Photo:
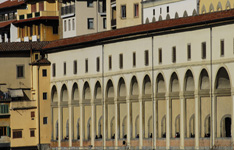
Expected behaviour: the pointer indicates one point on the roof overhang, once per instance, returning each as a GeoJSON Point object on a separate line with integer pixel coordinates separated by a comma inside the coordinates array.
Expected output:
{"type": "Point", "coordinates": [39, 19]}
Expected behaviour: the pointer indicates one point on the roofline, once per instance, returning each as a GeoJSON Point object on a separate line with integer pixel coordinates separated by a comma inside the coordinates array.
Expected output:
{"type": "Point", "coordinates": [147, 33]}
{"type": "Point", "coordinates": [36, 19]}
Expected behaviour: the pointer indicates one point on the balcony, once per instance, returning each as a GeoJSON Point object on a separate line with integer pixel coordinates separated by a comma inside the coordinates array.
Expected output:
{"type": "Point", "coordinates": [37, 14]}
{"type": "Point", "coordinates": [16, 105]}
{"type": "Point", "coordinates": [68, 11]}
{"type": "Point", "coordinates": [5, 141]}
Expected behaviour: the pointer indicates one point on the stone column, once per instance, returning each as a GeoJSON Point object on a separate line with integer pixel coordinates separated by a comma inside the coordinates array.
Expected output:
{"type": "Point", "coordinates": [197, 118]}
{"type": "Point", "coordinates": [182, 120]}
{"type": "Point", "coordinates": [232, 127]}
{"type": "Point", "coordinates": [155, 112]}
{"type": "Point", "coordinates": [168, 121]}
{"type": "Point", "coordinates": [52, 123]}
{"type": "Point", "coordinates": [81, 124]}
{"type": "Point", "coordinates": [116, 122]}
{"type": "Point", "coordinates": [93, 123]}
{"type": "Point", "coordinates": [213, 119]}
{"type": "Point", "coordinates": [60, 127]}
{"type": "Point", "coordinates": [129, 112]}
{"type": "Point", "coordinates": [71, 124]}
{"type": "Point", "coordinates": [104, 124]}
{"type": "Point", "coordinates": [141, 122]}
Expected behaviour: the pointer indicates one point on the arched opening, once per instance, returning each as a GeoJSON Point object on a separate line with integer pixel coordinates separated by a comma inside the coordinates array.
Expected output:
{"type": "Point", "coordinates": [160, 18]}
{"type": "Point", "coordinates": [137, 128]}
{"type": "Point", "coordinates": [89, 129]}
{"type": "Point", "coordinates": [124, 128]}
{"type": "Point", "coordinates": [219, 7]}
{"type": "Point", "coordinates": [226, 126]}
{"type": "Point", "coordinates": [203, 9]}
{"type": "Point", "coordinates": [154, 19]}
{"type": "Point", "coordinates": [64, 93]}
{"type": "Point", "coordinates": [110, 89]}
{"type": "Point", "coordinates": [134, 87]}
{"type": "Point", "coordinates": [176, 15]}
{"type": "Point", "coordinates": [185, 14]}
{"type": "Point", "coordinates": [54, 94]}
{"type": "Point", "coordinates": [78, 129]}
{"type": "Point", "coordinates": [150, 127]}
{"type": "Point", "coordinates": [86, 91]}
{"type": "Point", "coordinates": [75, 92]}
{"type": "Point", "coordinates": [147, 21]}
{"type": "Point", "coordinates": [204, 80]}
{"type": "Point", "coordinates": [228, 5]}
{"type": "Point", "coordinates": [211, 8]}
{"type": "Point", "coordinates": [194, 12]}
{"type": "Point", "coordinates": [168, 17]}
{"type": "Point", "coordinates": [121, 88]}
{"type": "Point", "coordinates": [160, 84]}
{"type": "Point", "coordinates": [163, 127]}
{"type": "Point", "coordinates": [177, 127]}
{"type": "Point", "coordinates": [192, 126]}
{"type": "Point", "coordinates": [189, 81]}
{"type": "Point", "coordinates": [222, 79]}
{"type": "Point", "coordinates": [207, 126]}
{"type": "Point", "coordinates": [147, 86]}
{"type": "Point", "coordinates": [174, 83]}
{"type": "Point", "coordinates": [98, 91]}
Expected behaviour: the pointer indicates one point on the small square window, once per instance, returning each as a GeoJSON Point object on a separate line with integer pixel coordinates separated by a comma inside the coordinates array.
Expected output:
{"type": "Point", "coordinates": [20, 71]}
{"type": "Point", "coordinates": [44, 72]}
{"type": "Point", "coordinates": [89, 3]}
{"type": "Point", "coordinates": [32, 113]}
{"type": "Point", "coordinates": [45, 96]}
{"type": "Point", "coordinates": [90, 23]}
{"type": "Point", "coordinates": [45, 120]}
{"type": "Point", "coordinates": [32, 133]}
{"type": "Point", "coordinates": [17, 134]}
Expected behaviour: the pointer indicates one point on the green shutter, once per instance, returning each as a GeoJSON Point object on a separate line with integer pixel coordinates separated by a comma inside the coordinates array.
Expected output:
{"type": "Point", "coordinates": [8, 131]}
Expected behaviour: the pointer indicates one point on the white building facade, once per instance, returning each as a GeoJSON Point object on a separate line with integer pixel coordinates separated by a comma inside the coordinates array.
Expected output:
{"type": "Point", "coordinates": [157, 10]}
{"type": "Point", "coordinates": [149, 86]}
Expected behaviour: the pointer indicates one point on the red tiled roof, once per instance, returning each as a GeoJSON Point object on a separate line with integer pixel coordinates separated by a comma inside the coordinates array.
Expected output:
{"type": "Point", "coordinates": [9, 3]}
{"type": "Point", "coordinates": [42, 61]}
{"type": "Point", "coordinates": [21, 46]}
{"type": "Point", "coordinates": [37, 18]}
{"type": "Point", "coordinates": [6, 23]}
{"type": "Point", "coordinates": [157, 26]}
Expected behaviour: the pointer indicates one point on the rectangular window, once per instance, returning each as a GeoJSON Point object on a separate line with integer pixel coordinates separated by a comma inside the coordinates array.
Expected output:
{"type": "Point", "coordinates": [123, 11]}
{"type": "Point", "coordinates": [65, 25]}
{"type": "Point", "coordinates": [153, 12]}
{"type": "Point", "coordinates": [32, 132]}
{"type": "Point", "coordinates": [36, 56]}
{"type": "Point", "coordinates": [86, 65]}
{"type": "Point", "coordinates": [55, 29]}
{"type": "Point", "coordinates": [41, 6]}
{"type": "Point", "coordinates": [136, 10]}
{"type": "Point", "coordinates": [64, 68]}
{"type": "Point", "coordinates": [69, 25]}
{"type": "Point", "coordinates": [90, 23]}
{"type": "Point", "coordinates": [146, 58]}
{"type": "Point", "coordinates": [73, 24]}
{"type": "Point", "coordinates": [203, 50]}
{"type": "Point", "coordinates": [104, 23]}
{"type": "Point", "coordinates": [54, 70]}
{"type": "Point", "coordinates": [20, 71]}
{"type": "Point", "coordinates": [110, 63]}
{"type": "Point", "coordinates": [121, 61]}
{"type": "Point", "coordinates": [17, 134]}
{"type": "Point", "coordinates": [222, 48]}
{"type": "Point", "coordinates": [134, 59]}
{"type": "Point", "coordinates": [4, 109]}
{"type": "Point", "coordinates": [33, 7]}
{"type": "Point", "coordinates": [31, 30]}
{"type": "Point", "coordinates": [75, 67]}
{"type": "Point", "coordinates": [45, 96]}
{"type": "Point", "coordinates": [45, 120]}
{"type": "Point", "coordinates": [160, 10]}
{"type": "Point", "coordinates": [189, 52]}
{"type": "Point", "coordinates": [44, 72]}
{"type": "Point", "coordinates": [89, 3]}
{"type": "Point", "coordinates": [39, 29]}
{"type": "Point", "coordinates": [3, 131]}
{"type": "Point", "coordinates": [98, 64]}
{"type": "Point", "coordinates": [159, 55]}
{"type": "Point", "coordinates": [167, 9]}
{"type": "Point", "coordinates": [32, 113]}
{"type": "Point", "coordinates": [174, 54]}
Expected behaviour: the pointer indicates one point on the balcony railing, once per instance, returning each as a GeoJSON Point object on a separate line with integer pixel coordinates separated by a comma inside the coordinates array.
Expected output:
{"type": "Point", "coordinates": [38, 14]}
{"type": "Point", "coordinates": [23, 104]}
{"type": "Point", "coordinates": [68, 10]}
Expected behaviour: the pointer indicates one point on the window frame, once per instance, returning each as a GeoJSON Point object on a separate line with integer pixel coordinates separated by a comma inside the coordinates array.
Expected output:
{"type": "Point", "coordinates": [134, 59]}
{"type": "Point", "coordinates": [160, 55]}
{"type": "Point", "coordinates": [98, 64]}
{"type": "Point", "coordinates": [121, 61]}
{"type": "Point", "coordinates": [75, 67]}
{"type": "Point", "coordinates": [86, 65]}
{"type": "Point", "coordinates": [17, 133]}
{"type": "Point", "coordinates": [89, 3]}
{"type": "Point", "coordinates": [32, 132]}
{"type": "Point", "coordinates": [174, 54]}
{"type": "Point", "coordinates": [90, 24]}
{"type": "Point", "coordinates": [44, 72]}
{"type": "Point", "coordinates": [44, 95]}
{"type": "Point", "coordinates": [110, 62]}
{"type": "Point", "coordinates": [136, 10]}
{"type": "Point", "coordinates": [222, 47]}
{"type": "Point", "coordinates": [203, 51]}
{"type": "Point", "coordinates": [123, 12]}
{"type": "Point", "coordinates": [189, 52]}
{"type": "Point", "coordinates": [64, 68]}
{"type": "Point", "coordinates": [45, 120]}
{"type": "Point", "coordinates": [146, 56]}
{"type": "Point", "coordinates": [17, 71]}
{"type": "Point", "coordinates": [54, 70]}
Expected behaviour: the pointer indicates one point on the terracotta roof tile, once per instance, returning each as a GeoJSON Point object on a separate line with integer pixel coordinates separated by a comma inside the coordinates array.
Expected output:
{"type": "Point", "coordinates": [160, 25]}
{"type": "Point", "coordinates": [21, 46]}
{"type": "Point", "coordinates": [6, 23]}
{"type": "Point", "coordinates": [9, 3]}
{"type": "Point", "coordinates": [42, 61]}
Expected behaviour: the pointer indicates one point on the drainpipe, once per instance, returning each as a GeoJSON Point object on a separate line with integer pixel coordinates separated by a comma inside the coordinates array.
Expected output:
{"type": "Point", "coordinates": [39, 118]}
{"type": "Point", "coordinates": [211, 93]}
